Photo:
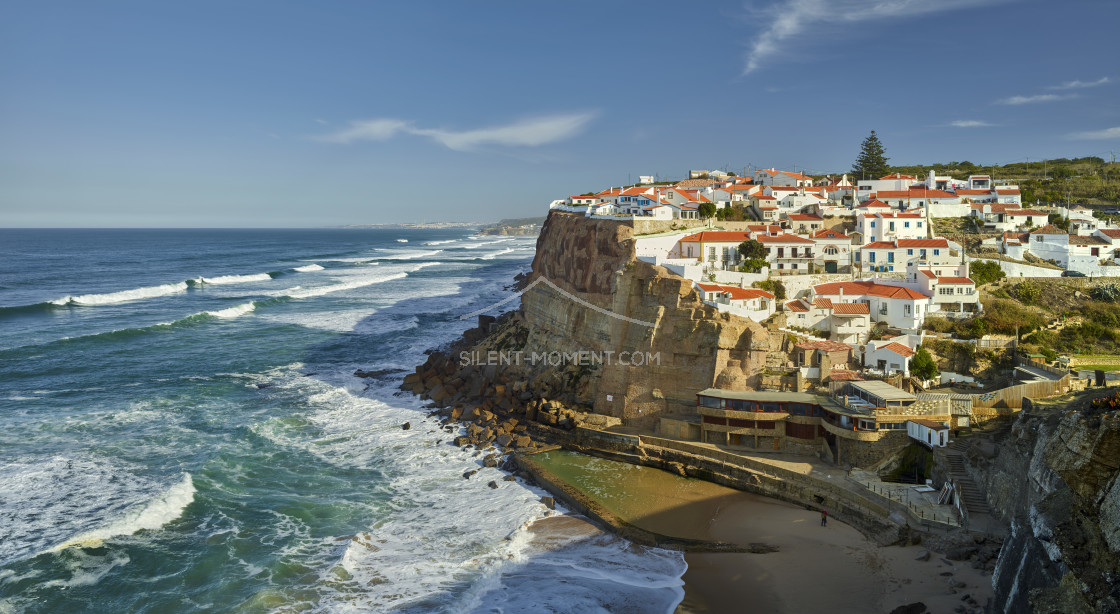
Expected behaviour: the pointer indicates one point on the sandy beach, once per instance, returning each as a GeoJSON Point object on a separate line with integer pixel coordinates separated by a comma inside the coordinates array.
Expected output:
{"type": "Point", "coordinates": [832, 569]}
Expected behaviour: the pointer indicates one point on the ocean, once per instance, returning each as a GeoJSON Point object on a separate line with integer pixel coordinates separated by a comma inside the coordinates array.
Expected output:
{"type": "Point", "coordinates": [183, 431]}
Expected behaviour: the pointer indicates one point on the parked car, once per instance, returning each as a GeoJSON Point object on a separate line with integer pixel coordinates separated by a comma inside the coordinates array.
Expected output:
{"type": "Point", "coordinates": [1072, 274]}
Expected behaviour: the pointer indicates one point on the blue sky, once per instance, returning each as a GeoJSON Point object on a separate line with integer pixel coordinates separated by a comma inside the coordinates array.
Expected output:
{"type": "Point", "coordinates": [285, 114]}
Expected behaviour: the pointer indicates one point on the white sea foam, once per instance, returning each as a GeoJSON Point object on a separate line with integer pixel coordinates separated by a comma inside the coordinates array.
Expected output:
{"type": "Point", "coordinates": [162, 509]}
{"type": "Point", "coordinates": [411, 255]}
{"type": "Point", "coordinates": [494, 255]}
{"type": "Point", "coordinates": [236, 279]}
{"type": "Point", "coordinates": [123, 296]}
{"type": "Point", "coordinates": [233, 312]}
{"type": "Point", "coordinates": [349, 285]}
{"type": "Point", "coordinates": [44, 500]}
{"type": "Point", "coordinates": [440, 242]}
{"type": "Point", "coordinates": [357, 260]}
{"type": "Point", "coordinates": [419, 554]}
{"type": "Point", "coordinates": [402, 240]}
{"type": "Point", "coordinates": [308, 268]}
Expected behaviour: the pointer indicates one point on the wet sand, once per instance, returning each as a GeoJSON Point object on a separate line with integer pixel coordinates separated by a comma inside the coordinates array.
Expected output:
{"type": "Point", "coordinates": [832, 569]}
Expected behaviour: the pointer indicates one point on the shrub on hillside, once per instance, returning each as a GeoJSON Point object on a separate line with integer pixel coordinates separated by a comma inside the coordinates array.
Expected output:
{"type": "Point", "coordinates": [1107, 292]}
{"type": "Point", "coordinates": [1027, 291]}
{"type": "Point", "coordinates": [985, 272]}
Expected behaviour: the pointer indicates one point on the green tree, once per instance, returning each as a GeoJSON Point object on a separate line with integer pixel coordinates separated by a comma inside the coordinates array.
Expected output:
{"type": "Point", "coordinates": [753, 249]}
{"type": "Point", "coordinates": [922, 365]}
{"type": "Point", "coordinates": [752, 265]}
{"type": "Point", "coordinates": [1057, 221]}
{"type": "Point", "coordinates": [984, 272]}
{"type": "Point", "coordinates": [707, 210]}
{"type": "Point", "coordinates": [872, 161]}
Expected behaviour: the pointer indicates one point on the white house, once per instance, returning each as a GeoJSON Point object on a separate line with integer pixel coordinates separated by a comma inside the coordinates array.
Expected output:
{"type": "Point", "coordinates": [896, 182]}
{"type": "Point", "coordinates": [888, 356]}
{"type": "Point", "coordinates": [804, 223]}
{"type": "Point", "coordinates": [1003, 217]}
{"type": "Point", "coordinates": [746, 302]}
{"type": "Point", "coordinates": [951, 293]}
{"type": "Point", "coordinates": [901, 254]}
{"type": "Point", "coordinates": [789, 254]}
{"type": "Point", "coordinates": [718, 248]}
{"type": "Point", "coordinates": [931, 433]}
{"type": "Point", "coordinates": [890, 225]}
{"type": "Point", "coordinates": [833, 251]}
{"type": "Point", "coordinates": [900, 307]}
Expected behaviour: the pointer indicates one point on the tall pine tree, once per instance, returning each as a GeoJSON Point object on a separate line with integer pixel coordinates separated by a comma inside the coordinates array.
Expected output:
{"type": "Point", "coordinates": [871, 163]}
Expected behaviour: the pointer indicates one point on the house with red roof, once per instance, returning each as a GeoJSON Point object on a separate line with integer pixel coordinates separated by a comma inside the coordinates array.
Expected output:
{"type": "Point", "coordinates": [746, 302]}
{"type": "Point", "coordinates": [894, 182]}
{"type": "Point", "coordinates": [848, 322]}
{"type": "Point", "coordinates": [901, 255]}
{"type": "Point", "coordinates": [834, 251]}
{"type": "Point", "coordinates": [898, 306]}
{"type": "Point", "coordinates": [788, 254]}
{"type": "Point", "coordinates": [888, 356]}
{"type": "Point", "coordinates": [952, 290]}
{"type": "Point", "coordinates": [883, 225]}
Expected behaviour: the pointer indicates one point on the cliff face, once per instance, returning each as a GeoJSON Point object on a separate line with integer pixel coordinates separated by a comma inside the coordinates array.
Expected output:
{"type": "Point", "coordinates": [1055, 476]}
{"type": "Point", "coordinates": [658, 343]}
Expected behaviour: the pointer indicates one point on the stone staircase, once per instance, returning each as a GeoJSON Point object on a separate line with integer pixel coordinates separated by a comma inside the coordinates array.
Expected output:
{"type": "Point", "coordinates": [972, 496]}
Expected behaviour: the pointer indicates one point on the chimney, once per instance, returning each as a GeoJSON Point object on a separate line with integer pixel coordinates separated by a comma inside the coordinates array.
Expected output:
{"type": "Point", "coordinates": [841, 299]}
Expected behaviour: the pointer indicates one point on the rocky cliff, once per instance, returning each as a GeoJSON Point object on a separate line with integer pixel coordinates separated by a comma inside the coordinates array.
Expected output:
{"type": "Point", "coordinates": [1053, 475]}
{"type": "Point", "coordinates": [600, 331]}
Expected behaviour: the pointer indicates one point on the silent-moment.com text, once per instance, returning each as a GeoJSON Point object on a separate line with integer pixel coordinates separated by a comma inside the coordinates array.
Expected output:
{"type": "Point", "coordinates": [586, 358]}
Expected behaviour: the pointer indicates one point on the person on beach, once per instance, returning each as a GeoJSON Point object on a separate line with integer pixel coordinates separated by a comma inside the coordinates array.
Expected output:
{"type": "Point", "coordinates": [824, 518]}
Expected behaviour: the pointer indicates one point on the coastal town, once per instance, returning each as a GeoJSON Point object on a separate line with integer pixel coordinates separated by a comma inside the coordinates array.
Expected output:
{"type": "Point", "coordinates": [849, 345]}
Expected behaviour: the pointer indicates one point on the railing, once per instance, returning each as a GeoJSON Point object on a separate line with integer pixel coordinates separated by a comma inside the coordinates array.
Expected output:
{"type": "Point", "coordinates": [917, 512]}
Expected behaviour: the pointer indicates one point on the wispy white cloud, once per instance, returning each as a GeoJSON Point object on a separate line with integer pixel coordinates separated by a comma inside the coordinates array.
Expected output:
{"type": "Point", "coordinates": [1107, 133]}
{"type": "Point", "coordinates": [320, 121]}
{"type": "Point", "coordinates": [1073, 85]}
{"type": "Point", "coordinates": [1016, 100]}
{"type": "Point", "coordinates": [530, 132]}
{"type": "Point", "coordinates": [969, 123]}
{"type": "Point", "coordinates": [789, 18]}
{"type": "Point", "coordinates": [367, 130]}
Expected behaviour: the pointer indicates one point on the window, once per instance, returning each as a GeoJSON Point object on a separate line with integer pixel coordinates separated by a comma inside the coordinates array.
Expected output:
{"type": "Point", "coordinates": [922, 253]}
{"type": "Point", "coordinates": [872, 224]}
{"type": "Point", "coordinates": [906, 224]}
{"type": "Point", "coordinates": [711, 253]}
{"type": "Point", "coordinates": [936, 252]}
{"type": "Point", "coordinates": [919, 224]}
{"type": "Point", "coordinates": [871, 257]}
{"type": "Point", "coordinates": [910, 252]}
{"type": "Point", "coordinates": [830, 250]}
{"type": "Point", "coordinates": [890, 256]}
{"type": "Point", "coordinates": [689, 251]}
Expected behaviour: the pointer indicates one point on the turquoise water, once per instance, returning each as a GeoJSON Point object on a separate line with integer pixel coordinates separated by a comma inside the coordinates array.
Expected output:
{"type": "Point", "coordinates": [183, 431]}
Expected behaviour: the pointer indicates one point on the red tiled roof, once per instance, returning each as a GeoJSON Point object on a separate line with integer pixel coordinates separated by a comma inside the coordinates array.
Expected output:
{"type": "Point", "coordinates": [1048, 229]}
{"type": "Point", "coordinates": [822, 303]}
{"type": "Point", "coordinates": [724, 236]}
{"type": "Point", "coordinates": [1111, 232]}
{"type": "Point", "coordinates": [923, 242]}
{"type": "Point", "coordinates": [954, 280]}
{"type": "Point", "coordinates": [963, 192]}
{"type": "Point", "coordinates": [856, 288]}
{"type": "Point", "coordinates": [782, 238]}
{"type": "Point", "coordinates": [899, 349]}
{"type": "Point", "coordinates": [875, 202]}
{"type": "Point", "coordinates": [828, 233]}
{"type": "Point", "coordinates": [1007, 191]}
{"type": "Point", "coordinates": [1090, 240]}
{"type": "Point", "coordinates": [928, 274]}
{"type": "Point", "coordinates": [797, 305]}
{"type": "Point", "coordinates": [805, 217]}
{"type": "Point", "coordinates": [851, 308]}
{"type": "Point", "coordinates": [879, 245]}
{"type": "Point", "coordinates": [898, 176]}
{"type": "Point", "coordinates": [840, 375]}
